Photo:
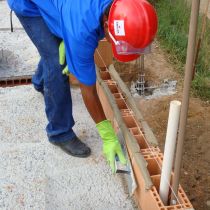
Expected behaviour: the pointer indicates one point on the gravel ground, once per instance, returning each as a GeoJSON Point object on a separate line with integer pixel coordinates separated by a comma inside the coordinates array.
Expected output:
{"type": "Point", "coordinates": [37, 175]}
{"type": "Point", "coordinates": [18, 56]}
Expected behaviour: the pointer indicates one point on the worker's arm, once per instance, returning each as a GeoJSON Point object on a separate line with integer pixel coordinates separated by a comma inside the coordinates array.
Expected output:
{"type": "Point", "coordinates": [111, 145]}
{"type": "Point", "coordinates": [92, 102]}
{"type": "Point", "coordinates": [89, 93]}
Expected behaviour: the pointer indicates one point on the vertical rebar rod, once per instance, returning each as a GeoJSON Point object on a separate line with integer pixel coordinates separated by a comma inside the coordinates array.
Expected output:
{"type": "Point", "coordinates": [140, 82]}
{"type": "Point", "coordinates": [186, 93]}
{"type": "Point", "coordinates": [142, 74]}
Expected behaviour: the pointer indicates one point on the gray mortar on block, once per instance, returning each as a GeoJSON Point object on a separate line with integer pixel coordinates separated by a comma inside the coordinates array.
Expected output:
{"type": "Point", "coordinates": [37, 175]}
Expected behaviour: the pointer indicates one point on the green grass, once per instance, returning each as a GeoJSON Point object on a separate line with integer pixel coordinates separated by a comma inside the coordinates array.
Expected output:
{"type": "Point", "coordinates": [174, 17]}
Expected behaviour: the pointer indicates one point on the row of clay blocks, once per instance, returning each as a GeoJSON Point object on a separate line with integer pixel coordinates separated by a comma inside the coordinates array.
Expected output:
{"type": "Point", "coordinates": [146, 199]}
{"type": "Point", "coordinates": [25, 80]}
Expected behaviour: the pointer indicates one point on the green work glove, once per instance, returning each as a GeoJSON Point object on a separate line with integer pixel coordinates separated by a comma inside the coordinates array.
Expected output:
{"type": "Point", "coordinates": [62, 57]}
{"type": "Point", "coordinates": [111, 145]}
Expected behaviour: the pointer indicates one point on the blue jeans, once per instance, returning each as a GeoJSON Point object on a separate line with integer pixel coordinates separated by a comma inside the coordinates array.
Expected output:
{"type": "Point", "coordinates": [49, 80]}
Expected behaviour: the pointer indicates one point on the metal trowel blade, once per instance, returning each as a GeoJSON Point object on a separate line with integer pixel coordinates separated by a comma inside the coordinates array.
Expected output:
{"type": "Point", "coordinates": [125, 169]}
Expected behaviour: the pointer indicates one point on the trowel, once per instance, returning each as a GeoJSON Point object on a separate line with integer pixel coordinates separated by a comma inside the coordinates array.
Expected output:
{"type": "Point", "coordinates": [127, 168]}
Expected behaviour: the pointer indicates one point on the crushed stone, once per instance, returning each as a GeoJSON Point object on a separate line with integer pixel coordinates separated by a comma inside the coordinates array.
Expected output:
{"type": "Point", "coordinates": [35, 174]}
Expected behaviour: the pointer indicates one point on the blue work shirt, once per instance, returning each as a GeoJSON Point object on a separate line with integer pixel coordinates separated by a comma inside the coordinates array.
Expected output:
{"type": "Point", "coordinates": [77, 22]}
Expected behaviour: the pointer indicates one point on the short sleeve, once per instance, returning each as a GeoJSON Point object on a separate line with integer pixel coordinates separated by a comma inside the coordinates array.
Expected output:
{"type": "Point", "coordinates": [80, 61]}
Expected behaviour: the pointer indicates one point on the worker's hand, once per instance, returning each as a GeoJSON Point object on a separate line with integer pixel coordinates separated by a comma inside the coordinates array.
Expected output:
{"type": "Point", "coordinates": [111, 145]}
{"type": "Point", "coordinates": [62, 57]}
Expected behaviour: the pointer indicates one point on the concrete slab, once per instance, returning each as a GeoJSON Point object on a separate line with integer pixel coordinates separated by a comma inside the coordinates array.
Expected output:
{"type": "Point", "coordinates": [37, 175]}
{"type": "Point", "coordinates": [22, 178]}
{"type": "Point", "coordinates": [22, 117]}
{"type": "Point", "coordinates": [5, 17]}
{"type": "Point", "coordinates": [18, 56]}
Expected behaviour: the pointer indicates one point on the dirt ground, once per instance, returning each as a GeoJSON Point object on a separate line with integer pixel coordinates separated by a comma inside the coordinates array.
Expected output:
{"type": "Point", "coordinates": [195, 173]}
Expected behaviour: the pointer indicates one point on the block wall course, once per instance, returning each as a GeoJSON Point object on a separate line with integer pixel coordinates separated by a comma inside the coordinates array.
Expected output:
{"type": "Point", "coordinates": [146, 199]}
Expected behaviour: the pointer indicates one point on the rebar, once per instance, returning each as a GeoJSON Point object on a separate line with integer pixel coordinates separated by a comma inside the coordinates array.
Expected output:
{"type": "Point", "coordinates": [140, 83]}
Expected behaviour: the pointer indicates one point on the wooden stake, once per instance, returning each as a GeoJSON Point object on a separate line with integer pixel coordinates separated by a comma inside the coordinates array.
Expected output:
{"type": "Point", "coordinates": [186, 94]}
{"type": "Point", "coordinates": [200, 38]}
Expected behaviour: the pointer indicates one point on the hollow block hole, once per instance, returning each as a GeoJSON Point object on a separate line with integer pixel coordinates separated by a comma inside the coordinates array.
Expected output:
{"type": "Point", "coordinates": [103, 69]}
{"type": "Point", "coordinates": [2, 82]}
{"type": "Point", "coordinates": [135, 131]}
{"type": "Point", "coordinates": [121, 104]}
{"type": "Point", "coordinates": [113, 88]}
{"type": "Point", "coordinates": [125, 112]}
{"type": "Point", "coordinates": [146, 156]}
{"type": "Point", "coordinates": [129, 121]}
{"type": "Point", "coordinates": [117, 95]}
{"type": "Point", "coordinates": [141, 141]}
{"type": "Point", "coordinates": [146, 152]}
{"type": "Point", "coordinates": [174, 207]}
{"type": "Point", "coordinates": [156, 183]}
{"type": "Point", "coordinates": [153, 167]}
{"type": "Point", "coordinates": [105, 75]}
{"type": "Point", "coordinates": [10, 82]}
{"type": "Point", "coordinates": [16, 82]}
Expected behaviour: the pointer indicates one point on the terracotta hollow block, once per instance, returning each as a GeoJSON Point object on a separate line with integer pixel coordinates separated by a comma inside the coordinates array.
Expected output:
{"type": "Point", "coordinates": [103, 55]}
{"type": "Point", "coordinates": [103, 69]}
{"type": "Point", "coordinates": [141, 141]}
{"type": "Point", "coordinates": [118, 95]}
{"type": "Point", "coordinates": [153, 167]}
{"type": "Point", "coordinates": [151, 152]}
{"type": "Point", "coordinates": [121, 104]}
{"type": "Point", "coordinates": [11, 82]}
{"type": "Point", "coordinates": [113, 88]}
{"type": "Point", "coordinates": [130, 121]}
{"type": "Point", "coordinates": [155, 172]}
{"type": "Point", "coordinates": [146, 199]}
{"type": "Point", "coordinates": [150, 199]}
{"type": "Point", "coordinates": [155, 157]}
{"type": "Point", "coordinates": [183, 197]}
{"type": "Point", "coordinates": [183, 203]}
{"type": "Point", "coordinates": [135, 131]}
{"type": "Point", "coordinates": [143, 197]}
{"type": "Point", "coordinates": [142, 130]}
{"type": "Point", "coordinates": [126, 112]}
{"type": "Point", "coordinates": [16, 82]}
{"type": "Point", "coordinates": [105, 75]}
{"type": "Point", "coordinates": [105, 103]}
{"type": "Point", "coordinates": [3, 83]}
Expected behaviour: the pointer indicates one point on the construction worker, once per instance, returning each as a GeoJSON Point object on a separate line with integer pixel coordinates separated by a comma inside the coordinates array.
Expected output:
{"type": "Point", "coordinates": [80, 24]}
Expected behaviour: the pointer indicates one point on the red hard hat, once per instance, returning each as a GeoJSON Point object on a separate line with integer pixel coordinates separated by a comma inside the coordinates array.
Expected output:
{"type": "Point", "coordinates": [131, 23]}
